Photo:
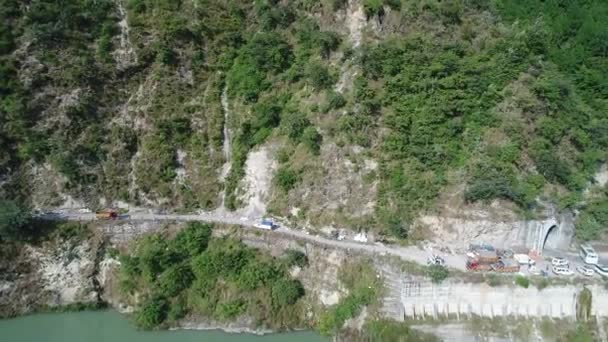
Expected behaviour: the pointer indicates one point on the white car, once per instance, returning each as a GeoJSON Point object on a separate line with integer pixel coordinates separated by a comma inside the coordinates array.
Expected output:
{"type": "Point", "coordinates": [560, 270]}
{"type": "Point", "coordinates": [585, 270]}
{"type": "Point", "coordinates": [559, 261]}
{"type": "Point", "coordinates": [534, 270]}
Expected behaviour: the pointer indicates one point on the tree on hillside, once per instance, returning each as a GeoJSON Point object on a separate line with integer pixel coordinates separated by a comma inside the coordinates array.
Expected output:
{"type": "Point", "coordinates": [13, 217]}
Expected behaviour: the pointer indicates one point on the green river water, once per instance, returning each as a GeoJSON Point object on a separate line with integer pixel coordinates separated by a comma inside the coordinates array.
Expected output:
{"type": "Point", "coordinates": [109, 326]}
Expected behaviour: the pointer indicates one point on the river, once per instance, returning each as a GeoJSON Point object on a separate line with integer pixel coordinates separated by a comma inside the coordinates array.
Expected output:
{"type": "Point", "coordinates": [110, 326]}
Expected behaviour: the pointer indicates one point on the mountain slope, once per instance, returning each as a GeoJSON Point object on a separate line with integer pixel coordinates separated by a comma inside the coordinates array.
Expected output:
{"type": "Point", "coordinates": [367, 113]}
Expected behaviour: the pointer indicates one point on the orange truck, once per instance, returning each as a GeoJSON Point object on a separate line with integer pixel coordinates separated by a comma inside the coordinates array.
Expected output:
{"type": "Point", "coordinates": [106, 215]}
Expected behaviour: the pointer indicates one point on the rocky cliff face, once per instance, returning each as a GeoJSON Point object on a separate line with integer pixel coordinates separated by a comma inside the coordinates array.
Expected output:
{"type": "Point", "coordinates": [49, 276]}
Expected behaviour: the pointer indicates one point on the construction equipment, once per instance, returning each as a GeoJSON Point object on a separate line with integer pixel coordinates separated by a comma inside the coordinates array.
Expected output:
{"type": "Point", "coordinates": [107, 214]}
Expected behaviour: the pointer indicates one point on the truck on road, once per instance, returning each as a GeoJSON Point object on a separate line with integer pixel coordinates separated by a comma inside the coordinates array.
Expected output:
{"type": "Point", "coordinates": [107, 214]}
{"type": "Point", "coordinates": [487, 258]}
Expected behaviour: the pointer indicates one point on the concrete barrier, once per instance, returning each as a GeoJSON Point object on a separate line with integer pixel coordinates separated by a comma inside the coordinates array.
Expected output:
{"type": "Point", "coordinates": [425, 300]}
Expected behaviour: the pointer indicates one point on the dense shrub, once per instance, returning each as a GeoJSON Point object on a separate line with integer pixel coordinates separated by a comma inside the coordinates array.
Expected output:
{"type": "Point", "coordinates": [373, 7]}
{"type": "Point", "coordinates": [286, 292]}
{"type": "Point", "coordinates": [194, 273]}
{"type": "Point", "coordinates": [312, 139]}
{"type": "Point", "coordinates": [152, 312]}
{"type": "Point", "coordinates": [175, 279]}
{"type": "Point", "coordinates": [264, 53]}
{"type": "Point", "coordinates": [192, 240]}
{"type": "Point", "coordinates": [319, 76]}
{"type": "Point", "coordinates": [334, 100]}
{"type": "Point", "coordinates": [286, 178]}
{"type": "Point", "coordinates": [294, 123]}
{"type": "Point", "coordinates": [296, 258]}
{"type": "Point", "coordinates": [592, 221]}
{"type": "Point", "coordinates": [437, 273]}
{"type": "Point", "coordinates": [522, 281]}
{"type": "Point", "coordinates": [13, 219]}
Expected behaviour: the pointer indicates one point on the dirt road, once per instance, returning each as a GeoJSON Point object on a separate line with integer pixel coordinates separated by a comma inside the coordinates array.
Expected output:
{"type": "Point", "coordinates": [410, 253]}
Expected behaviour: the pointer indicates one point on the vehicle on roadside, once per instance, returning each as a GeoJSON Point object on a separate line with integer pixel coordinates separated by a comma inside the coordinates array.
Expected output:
{"type": "Point", "coordinates": [506, 265]}
{"type": "Point", "coordinates": [435, 260]}
{"type": "Point", "coordinates": [265, 223]}
{"type": "Point", "coordinates": [108, 214]}
{"type": "Point", "coordinates": [533, 270]}
{"type": "Point", "coordinates": [601, 269]}
{"type": "Point", "coordinates": [559, 261]}
{"type": "Point", "coordinates": [524, 259]}
{"type": "Point", "coordinates": [585, 270]}
{"type": "Point", "coordinates": [561, 270]}
{"type": "Point", "coordinates": [588, 254]}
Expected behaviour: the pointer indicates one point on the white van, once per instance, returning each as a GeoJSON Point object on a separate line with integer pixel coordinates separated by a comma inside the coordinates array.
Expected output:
{"type": "Point", "coordinates": [265, 223]}
{"type": "Point", "coordinates": [588, 255]}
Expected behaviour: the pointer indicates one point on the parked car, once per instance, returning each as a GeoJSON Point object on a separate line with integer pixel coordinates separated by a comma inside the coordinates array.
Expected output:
{"type": "Point", "coordinates": [585, 270]}
{"type": "Point", "coordinates": [564, 271]}
{"type": "Point", "coordinates": [559, 261]}
{"type": "Point", "coordinates": [601, 269]}
{"type": "Point", "coordinates": [533, 270]}
{"type": "Point", "coordinates": [588, 254]}
{"type": "Point", "coordinates": [524, 259]}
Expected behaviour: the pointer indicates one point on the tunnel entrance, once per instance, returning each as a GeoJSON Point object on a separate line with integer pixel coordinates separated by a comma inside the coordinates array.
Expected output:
{"type": "Point", "coordinates": [551, 239]}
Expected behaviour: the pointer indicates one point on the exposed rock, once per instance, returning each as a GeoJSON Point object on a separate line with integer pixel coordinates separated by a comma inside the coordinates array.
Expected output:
{"type": "Point", "coordinates": [259, 169]}
{"type": "Point", "coordinates": [48, 276]}
{"type": "Point", "coordinates": [459, 233]}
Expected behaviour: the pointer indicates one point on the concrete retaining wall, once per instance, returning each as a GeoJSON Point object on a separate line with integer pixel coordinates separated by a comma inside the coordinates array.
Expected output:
{"type": "Point", "coordinates": [423, 300]}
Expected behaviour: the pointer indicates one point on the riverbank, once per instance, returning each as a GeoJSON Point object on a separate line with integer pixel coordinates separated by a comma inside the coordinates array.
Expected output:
{"type": "Point", "coordinates": [102, 326]}
{"type": "Point", "coordinates": [78, 270]}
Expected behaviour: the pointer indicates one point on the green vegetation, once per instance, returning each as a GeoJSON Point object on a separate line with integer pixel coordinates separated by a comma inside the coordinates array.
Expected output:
{"type": "Point", "coordinates": [359, 278]}
{"type": "Point", "coordinates": [592, 221]}
{"type": "Point", "coordinates": [582, 333]}
{"type": "Point", "coordinates": [444, 103]}
{"type": "Point", "coordinates": [504, 97]}
{"type": "Point", "coordinates": [391, 331]}
{"type": "Point", "coordinates": [583, 305]}
{"type": "Point", "coordinates": [493, 280]}
{"type": "Point", "coordinates": [296, 258]}
{"type": "Point", "coordinates": [437, 273]}
{"type": "Point", "coordinates": [526, 329]}
{"type": "Point", "coordinates": [522, 281]}
{"type": "Point", "coordinates": [541, 283]}
{"type": "Point", "coordinates": [286, 178]}
{"type": "Point", "coordinates": [220, 278]}
{"type": "Point", "coordinates": [13, 219]}
{"type": "Point", "coordinates": [373, 7]}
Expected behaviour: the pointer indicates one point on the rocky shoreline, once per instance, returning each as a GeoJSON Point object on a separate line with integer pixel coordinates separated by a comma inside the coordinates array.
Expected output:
{"type": "Point", "coordinates": [75, 278]}
{"type": "Point", "coordinates": [78, 275]}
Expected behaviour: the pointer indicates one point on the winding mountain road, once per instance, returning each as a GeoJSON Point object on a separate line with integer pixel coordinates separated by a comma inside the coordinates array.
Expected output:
{"type": "Point", "coordinates": [410, 253]}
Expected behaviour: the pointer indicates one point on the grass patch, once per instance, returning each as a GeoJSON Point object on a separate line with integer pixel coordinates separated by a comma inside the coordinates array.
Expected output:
{"type": "Point", "coordinates": [522, 281]}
